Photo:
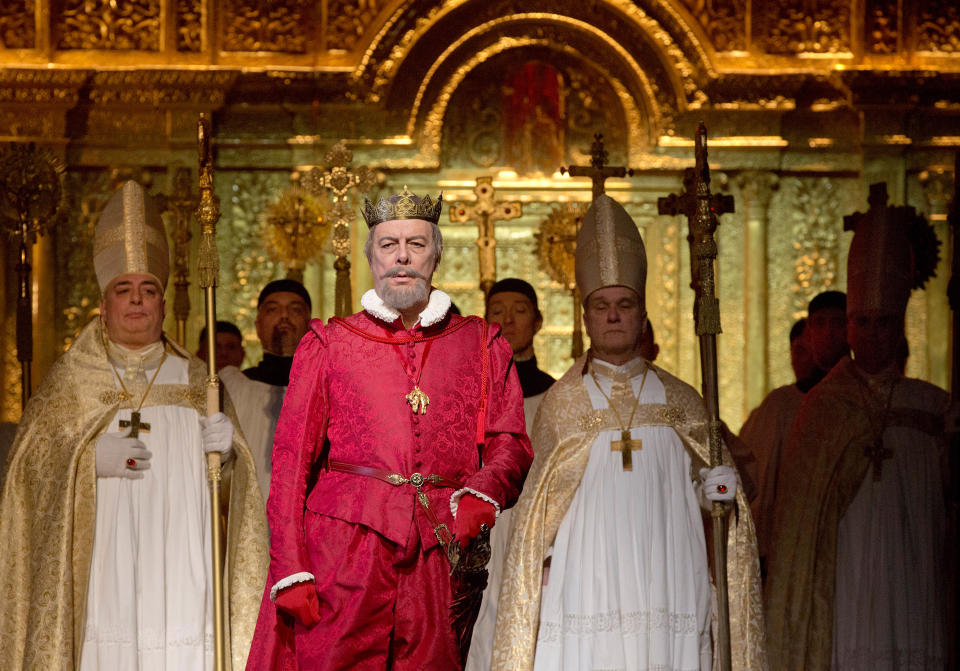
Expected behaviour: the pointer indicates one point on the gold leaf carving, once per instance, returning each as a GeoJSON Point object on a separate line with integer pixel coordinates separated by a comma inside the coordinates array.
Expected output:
{"type": "Point", "coordinates": [107, 24]}
{"type": "Point", "coordinates": [806, 26]}
{"type": "Point", "coordinates": [189, 25]}
{"type": "Point", "coordinates": [348, 20]}
{"type": "Point", "coordinates": [881, 26]}
{"type": "Point", "coordinates": [723, 20]}
{"type": "Point", "coordinates": [264, 25]}
{"type": "Point", "coordinates": [17, 29]}
{"type": "Point", "coordinates": [938, 26]}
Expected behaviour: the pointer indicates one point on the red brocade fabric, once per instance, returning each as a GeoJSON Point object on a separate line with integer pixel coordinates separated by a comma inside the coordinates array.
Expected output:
{"type": "Point", "coordinates": [350, 391]}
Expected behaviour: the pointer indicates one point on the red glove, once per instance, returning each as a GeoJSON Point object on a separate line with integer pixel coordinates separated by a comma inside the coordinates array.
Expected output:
{"type": "Point", "coordinates": [471, 513]}
{"type": "Point", "coordinates": [300, 601]}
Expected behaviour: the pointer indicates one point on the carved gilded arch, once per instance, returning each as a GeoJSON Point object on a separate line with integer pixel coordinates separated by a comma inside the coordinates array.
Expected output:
{"type": "Point", "coordinates": [643, 61]}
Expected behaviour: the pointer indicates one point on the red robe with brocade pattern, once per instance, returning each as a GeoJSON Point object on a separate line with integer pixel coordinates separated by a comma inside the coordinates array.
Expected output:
{"type": "Point", "coordinates": [349, 391]}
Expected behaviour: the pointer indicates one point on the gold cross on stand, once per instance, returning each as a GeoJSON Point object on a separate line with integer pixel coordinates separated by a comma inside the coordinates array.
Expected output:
{"type": "Point", "coordinates": [877, 454]}
{"type": "Point", "coordinates": [486, 211]}
{"type": "Point", "coordinates": [626, 445]}
{"type": "Point", "coordinates": [598, 171]}
{"type": "Point", "coordinates": [135, 425]}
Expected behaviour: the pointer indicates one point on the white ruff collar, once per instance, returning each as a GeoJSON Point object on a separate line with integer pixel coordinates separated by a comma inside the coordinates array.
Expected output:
{"type": "Point", "coordinates": [437, 308]}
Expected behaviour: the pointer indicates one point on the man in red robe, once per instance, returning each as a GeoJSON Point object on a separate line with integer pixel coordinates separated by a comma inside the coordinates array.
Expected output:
{"type": "Point", "coordinates": [402, 423]}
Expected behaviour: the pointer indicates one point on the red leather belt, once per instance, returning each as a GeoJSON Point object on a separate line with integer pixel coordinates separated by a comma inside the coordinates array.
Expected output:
{"type": "Point", "coordinates": [416, 480]}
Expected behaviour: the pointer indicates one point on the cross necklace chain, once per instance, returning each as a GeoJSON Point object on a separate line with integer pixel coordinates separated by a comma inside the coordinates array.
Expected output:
{"type": "Point", "coordinates": [626, 445]}
{"type": "Point", "coordinates": [136, 426]}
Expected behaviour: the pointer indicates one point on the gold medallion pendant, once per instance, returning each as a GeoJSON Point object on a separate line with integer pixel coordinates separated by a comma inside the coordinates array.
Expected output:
{"type": "Point", "coordinates": [418, 401]}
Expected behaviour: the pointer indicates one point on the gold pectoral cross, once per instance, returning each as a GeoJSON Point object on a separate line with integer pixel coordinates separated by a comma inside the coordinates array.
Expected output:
{"type": "Point", "coordinates": [136, 426]}
{"type": "Point", "coordinates": [418, 401]}
{"type": "Point", "coordinates": [626, 445]}
{"type": "Point", "coordinates": [877, 454]}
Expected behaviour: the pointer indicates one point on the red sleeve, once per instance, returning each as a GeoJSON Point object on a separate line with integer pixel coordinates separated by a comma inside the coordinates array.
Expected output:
{"type": "Point", "coordinates": [300, 434]}
{"type": "Point", "coordinates": [507, 454]}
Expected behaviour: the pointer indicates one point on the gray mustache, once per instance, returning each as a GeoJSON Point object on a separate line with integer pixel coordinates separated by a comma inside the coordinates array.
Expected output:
{"type": "Point", "coordinates": [400, 270]}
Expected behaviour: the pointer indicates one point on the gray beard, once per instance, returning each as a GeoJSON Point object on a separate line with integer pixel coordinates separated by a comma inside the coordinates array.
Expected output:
{"type": "Point", "coordinates": [404, 298]}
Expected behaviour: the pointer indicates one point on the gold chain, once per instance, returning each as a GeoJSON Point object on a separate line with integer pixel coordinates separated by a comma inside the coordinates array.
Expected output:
{"type": "Point", "coordinates": [610, 403]}
{"type": "Point", "coordinates": [149, 386]}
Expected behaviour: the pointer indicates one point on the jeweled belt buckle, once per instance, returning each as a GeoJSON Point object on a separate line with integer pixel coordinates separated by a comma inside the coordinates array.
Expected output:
{"type": "Point", "coordinates": [417, 480]}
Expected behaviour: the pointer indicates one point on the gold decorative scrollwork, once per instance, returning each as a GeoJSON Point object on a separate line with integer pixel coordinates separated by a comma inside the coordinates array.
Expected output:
{"type": "Point", "coordinates": [189, 25]}
{"type": "Point", "coordinates": [723, 20]}
{"type": "Point", "coordinates": [17, 29]}
{"type": "Point", "coordinates": [938, 27]}
{"type": "Point", "coordinates": [881, 26]}
{"type": "Point", "coordinates": [264, 25]}
{"type": "Point", "coordinates": [805, 26]}
{"type": "Point", "coordinates": [348, 20]}
{"type": "Point", "coordinates": [107, 24]}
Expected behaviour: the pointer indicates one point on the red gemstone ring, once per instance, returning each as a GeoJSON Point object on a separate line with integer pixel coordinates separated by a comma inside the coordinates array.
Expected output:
{"type": "Point", "coordinates": [722, 489]}
{"type": "Point", "coordinates": [131, 463]}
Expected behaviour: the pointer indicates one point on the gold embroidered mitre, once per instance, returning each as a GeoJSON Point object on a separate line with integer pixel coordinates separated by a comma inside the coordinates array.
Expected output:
{"type": "Point", "coordinates": [610, 251]}
{"type": "Point", "coordinates": [402, 206]}
{"type": "Point", "coordinates": [130, 238]}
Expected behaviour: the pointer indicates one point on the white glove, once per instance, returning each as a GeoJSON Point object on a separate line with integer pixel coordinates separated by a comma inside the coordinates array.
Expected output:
{"type": "Point", "coordinates": [217, 435]}
{"type": "Point", "coordinates": [121, 457]}
{"type": "Point", "coordinates": [719, 484]}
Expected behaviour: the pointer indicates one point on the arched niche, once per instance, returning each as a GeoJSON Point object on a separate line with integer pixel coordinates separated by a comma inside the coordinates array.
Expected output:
{"type": "Point", "coordinates": [532, 110]}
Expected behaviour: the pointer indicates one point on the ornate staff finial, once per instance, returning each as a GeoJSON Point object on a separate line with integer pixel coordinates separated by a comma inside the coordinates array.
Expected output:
{"type": "Point", "coordinates": [32, 197]}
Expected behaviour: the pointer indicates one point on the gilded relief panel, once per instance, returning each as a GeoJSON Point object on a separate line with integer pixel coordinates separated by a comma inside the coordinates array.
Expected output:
{"type": "Point", "coordinates": [17, 29]}
{"type": "Point", "coordinates": [189, 25]}
{"type": "Point", "coordinates": [724, 21]}
{"type": "Point", "coordinates": [803, 26]}
{"type": "Point", "coordinates": [245, 265]}
{"type": "Point", "coordinates": [938, 26]}
{"type": "Point", "coordinates": [264, 25]}
{"type": "Point", "coordinates": [881, 26]}
{"type": "Point", "coordinates": [348, 20]}
{"type": "Point", "coordinates": [107, 24]}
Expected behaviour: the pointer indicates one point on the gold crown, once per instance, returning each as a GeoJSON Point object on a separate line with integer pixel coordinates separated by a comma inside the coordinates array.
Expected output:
{"type": "Point", "coordinates": [406, 206]}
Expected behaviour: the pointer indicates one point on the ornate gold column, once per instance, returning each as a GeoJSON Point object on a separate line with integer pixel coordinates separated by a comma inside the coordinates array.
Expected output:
{"type": "Point", "coordinates": [756, 190]}
{"type": "Point", "coordinates": [937, 186]}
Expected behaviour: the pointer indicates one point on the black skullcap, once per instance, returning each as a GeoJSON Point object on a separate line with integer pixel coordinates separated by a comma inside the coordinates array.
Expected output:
{"type": "Point", "coordinates": [222, 327]}
{"type": "Point", "coordinates": [292, 286]}
{"type": "Point", "coordinates": [517, 285]}
{"type": "Point", "coordinates": [797, 329]}
{"type": "Point", "coordinates": [826, 300]}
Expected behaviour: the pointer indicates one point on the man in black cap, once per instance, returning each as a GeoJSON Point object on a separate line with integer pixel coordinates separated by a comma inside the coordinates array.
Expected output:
{"type": "Point", "coordinates": [512, 303]}
{"type": "Point", "coordinates": [283, 313]}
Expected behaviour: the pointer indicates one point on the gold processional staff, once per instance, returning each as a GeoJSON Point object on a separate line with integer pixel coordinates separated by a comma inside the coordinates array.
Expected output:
{"type": "Point", "coordinates": [208, 269]}
{"type": "Point", "coordinates": [702, 209]}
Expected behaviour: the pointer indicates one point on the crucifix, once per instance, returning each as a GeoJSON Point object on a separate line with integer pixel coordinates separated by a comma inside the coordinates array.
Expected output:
{"type": "Point", "coordinates": [625, 446]}
{"type": "Point", "coordinates": [486, 211]}
{"type": "Point", "coordinates": [877, 454]}
{"type": "Point", "coordinates": [136, 426]}
{"type": "Point", "coordinates": [338, 179]}
{"type": "Point", "coordinates": [598, 171]}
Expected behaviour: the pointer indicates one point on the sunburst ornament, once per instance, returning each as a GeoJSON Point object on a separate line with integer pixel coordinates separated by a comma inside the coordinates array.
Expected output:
{"type": "Point", "coordinates": [556, 249]}
{"type": "Point", "coordinates": [296, 227]}
{"type": "Point", "coordinates": [557, 242]}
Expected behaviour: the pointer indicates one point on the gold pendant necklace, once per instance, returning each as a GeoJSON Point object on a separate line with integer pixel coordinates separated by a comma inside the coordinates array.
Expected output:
{"type": "Point", "coordinates": [417, 399]}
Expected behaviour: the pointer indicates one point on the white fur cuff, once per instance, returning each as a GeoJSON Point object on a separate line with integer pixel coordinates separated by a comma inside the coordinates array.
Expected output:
{"type": "Point", "coordinates": [289, 580]}
{"type": "Point", "coordinates": [455, 500]}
